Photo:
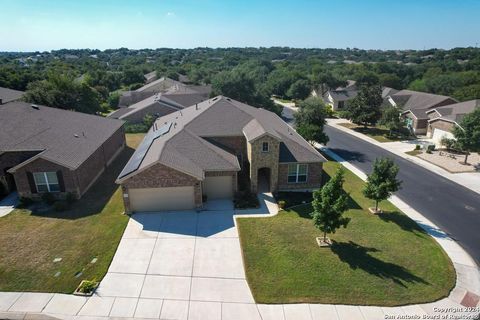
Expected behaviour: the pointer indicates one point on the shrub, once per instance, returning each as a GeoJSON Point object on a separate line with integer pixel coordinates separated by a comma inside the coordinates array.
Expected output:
{"type": "Point", "coordinates": [87, 286]}
{"type": "Point", "coordinates": [448, 143]}
{"type": "Point", "coordinates": [430, 148]}
{"type": "Point", "coordinates": [136, 128]}
{"type": "Point", "coordinates": [60, 206]}
{"type": "Point", "coordinates": [24, 202]}
{"type": "Point", "coordinates": [70, 198]}
{"type": "Point", "coordinates": [417, 147]}
{"type": "Point", "coordinates": [281, 204]}
{"type": "Point", "coordinates": [245, 199]}
{"type": "Point", "coordinates": [48, 198]}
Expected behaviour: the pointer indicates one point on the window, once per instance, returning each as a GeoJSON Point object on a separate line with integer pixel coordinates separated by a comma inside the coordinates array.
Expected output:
{"type": "Point", "coordinates": [297, 173]}
{"type": "Point", "coordinates": [265, 147]}
{"type": "Point", "coordinates": [341, 104]}
{"type": "Point", "coordinates": [46, 181]}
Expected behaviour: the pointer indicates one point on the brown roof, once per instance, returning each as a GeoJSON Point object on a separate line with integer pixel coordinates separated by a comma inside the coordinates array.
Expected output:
{"type": "Point", "coordinates": [409, 100]}
{"type": "Point", "coordinates": [7, 95]}
{"type": "Point", "coordinates": [64, 137]}
{"type": "Point", "coordinates": [182, 138]}
{"type": "Point", "coordinates": [455, 112]}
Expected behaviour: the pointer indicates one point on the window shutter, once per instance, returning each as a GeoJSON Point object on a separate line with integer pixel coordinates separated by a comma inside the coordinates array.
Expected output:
{"type": "Point", "coordinates": [31, 182]}
{"type": "Point", "coordinates": [61, 183]}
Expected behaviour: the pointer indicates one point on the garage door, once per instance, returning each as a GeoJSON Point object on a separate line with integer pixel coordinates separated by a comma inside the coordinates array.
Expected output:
{"type": "Point", "coordinates": [439, 134]}
{"type": "Point", "coordinates": [218, 187]}
{"type": "Point", "coordinates": [162, 199]}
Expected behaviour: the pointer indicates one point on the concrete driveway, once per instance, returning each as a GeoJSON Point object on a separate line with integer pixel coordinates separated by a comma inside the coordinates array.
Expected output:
{"type": "Point", "coordinates": [175, 264]}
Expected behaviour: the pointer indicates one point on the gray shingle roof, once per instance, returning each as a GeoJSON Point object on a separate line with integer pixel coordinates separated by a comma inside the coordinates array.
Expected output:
{"type": "Point", "coordinates": [186, 147]}
{"type": "Point", "coordinates": [456, 112]}
{"type": "Point", "coordinates": [7, 95]}
{"type": "Point", "coordinates": [409, 100]}
{"type": "Point", "coordinates": [64, 137]}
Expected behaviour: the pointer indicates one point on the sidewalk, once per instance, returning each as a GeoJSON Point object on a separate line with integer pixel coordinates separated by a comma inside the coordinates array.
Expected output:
{"type": "Point", "coordinates": [470, 180]}
{"type": "Point", "coordinates": [8, 204]}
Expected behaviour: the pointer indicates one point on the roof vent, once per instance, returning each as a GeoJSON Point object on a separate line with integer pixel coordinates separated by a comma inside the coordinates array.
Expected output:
{"type": "Point", "coordinates": [75, 135]}
{"type": "Point", "coordinates": [34, 106]}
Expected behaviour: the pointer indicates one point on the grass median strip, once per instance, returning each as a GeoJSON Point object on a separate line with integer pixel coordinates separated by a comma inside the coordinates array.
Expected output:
{"type": "Point", "coordinates": [384, 259]}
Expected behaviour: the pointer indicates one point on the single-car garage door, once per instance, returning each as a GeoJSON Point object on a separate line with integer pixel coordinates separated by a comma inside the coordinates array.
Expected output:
{"type": "Point", "coordinates": [218, 187]}
{"type": "Point", "coordinates": [162, 199]}
{"type": "Point", "coordinates": [438, 134]}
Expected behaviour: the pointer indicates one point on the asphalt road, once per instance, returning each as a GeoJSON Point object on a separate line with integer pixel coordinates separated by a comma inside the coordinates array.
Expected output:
{"type": "Point", "coordinates": [452, 207]}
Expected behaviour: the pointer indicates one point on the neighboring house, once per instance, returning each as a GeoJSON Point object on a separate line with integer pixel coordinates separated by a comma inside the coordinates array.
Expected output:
{"type": "Point", "coordinates": [201, 152]}
{"type": "Point", "coordinates": [157, 105]}
{"type": "Point", "coordinates": [150, 77]}
{"type": "Point", "coordinates": [46, 149]}
{"type": "Point", "coordinates": [442, 120]}
{"type": "Point", "coordinates": [414, 106]}
{"type": "Point", "coordinates": [8, 95]}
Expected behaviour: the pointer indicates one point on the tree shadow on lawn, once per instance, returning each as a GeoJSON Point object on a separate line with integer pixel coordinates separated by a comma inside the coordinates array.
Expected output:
{"type": "Point", "coordinates": [407, 224]}
{"type": "Point", "coordinates": [358, 257]}
{"type": "Point", "coordinates": [97, 197]}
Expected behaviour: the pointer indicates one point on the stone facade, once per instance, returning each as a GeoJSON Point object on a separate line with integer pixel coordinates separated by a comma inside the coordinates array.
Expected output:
{"type": "Point", "coordinates": [161, 176]}
{"type": "Point", "coordinates": [259, 159]}
{"type": "Point", "coordinates": [314, 178]}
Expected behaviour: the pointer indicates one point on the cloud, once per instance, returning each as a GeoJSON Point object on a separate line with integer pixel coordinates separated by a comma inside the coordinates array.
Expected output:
{"type": "Point", "coordinates": [170, 14]}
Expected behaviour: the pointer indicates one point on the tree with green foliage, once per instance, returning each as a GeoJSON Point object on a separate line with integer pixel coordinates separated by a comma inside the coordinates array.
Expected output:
{"type": "Point", "coordinates": [468, 133]}
{"type": "Point", "coordinates": [310, 120]}
{"type": "Point", "coordinates": [382, 182]}
{"type": "Point", "coordinates": [364, 109]}
{"type": "Point", "coordinates": [329, 204]}
{"type": "Point", "coordinates": [299, 90]}
{"type": "Point", "coordinates": [391, 120]}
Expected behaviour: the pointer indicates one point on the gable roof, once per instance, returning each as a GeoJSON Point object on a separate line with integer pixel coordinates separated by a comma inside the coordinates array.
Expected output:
{"type": "Point", "coordinates": [455, 112]}
{"type": "Point", "coordinates": [410, 100]}
{"type": "Point", "coordinates": [7, 95]}
{"type": "Point", "coordinates": [186, 147]}
{"type": "Point", "coordinates": [64, 137]}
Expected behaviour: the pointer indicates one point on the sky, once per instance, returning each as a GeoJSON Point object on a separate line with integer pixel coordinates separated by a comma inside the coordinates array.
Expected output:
{"type": "Point", "coordinates": [31, 25]}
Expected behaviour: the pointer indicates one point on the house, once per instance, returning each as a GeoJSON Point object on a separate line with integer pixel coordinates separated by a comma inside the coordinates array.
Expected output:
{"type": "Point", "coordinates": [150, 77]}
{"type": "Point", "coordinates": [46, 149]}
{"type": "Point", "coordinates": [338, 98]}
{"type": "Point", "coordinates": [414, 106]}
{"type": "Point", "coordinates": [202, 152]}
{"type": "Point", "coordinates": [442, 120]}
{"type": "Point", "coordinates": [158, 105]}
{"type": "Point", "coordinates": [8, 95]}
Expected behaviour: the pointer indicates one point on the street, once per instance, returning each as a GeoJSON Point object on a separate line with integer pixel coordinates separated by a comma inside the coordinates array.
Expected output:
{"type": "Point", "coordinates": [452, 207]}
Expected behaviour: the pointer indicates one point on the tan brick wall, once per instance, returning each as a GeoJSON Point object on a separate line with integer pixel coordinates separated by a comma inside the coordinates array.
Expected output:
{"type": "Point", "coordinates": [160, 176]}
{"type": "Point", "coordinates": [237, 144]}
{"type": "Point", "coordinates": [259, 159]}
{"type": "Point", "coordinates": [41, 165]}
{"type": "Point", "coordinates": [314, 177]}
{"type": "Point", "coordinates": [442, 125]}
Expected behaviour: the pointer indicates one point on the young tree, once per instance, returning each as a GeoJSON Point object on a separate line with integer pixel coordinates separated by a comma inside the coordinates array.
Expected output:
{"type": "Point", "coordinates": [382, 182]}
{"type": "Point", "coordinates": [365, 107]}
{"type": "Point", "coordinates": [329, 204]}
{"type": "Point", "coordinates": [391, 119]}
{"type": "Point", "coordinates": [310, 120]}
{"type": "Point", "coordinates": [468, 133]}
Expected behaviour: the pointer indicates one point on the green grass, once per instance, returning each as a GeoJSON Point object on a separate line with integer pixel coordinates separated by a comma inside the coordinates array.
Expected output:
{"type": "Point", "coordinates": [91, 228]}
{"type": "Point", "coordinates": [414, 152]}
{"type": "Point", "coordinates": [379, 133]}
{"type": "Point", "coordinates": [383, 260]}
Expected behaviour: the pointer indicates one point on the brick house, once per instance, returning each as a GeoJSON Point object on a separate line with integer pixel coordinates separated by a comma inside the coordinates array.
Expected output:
{"type": "Point", "coordinates": [206, 150]}
{"type": "Point", "coordinates": [414, 106]}
{"type": "Point", "coordinates": [442, 120]}
{"type": "Point", "coordinates": [46, 149]}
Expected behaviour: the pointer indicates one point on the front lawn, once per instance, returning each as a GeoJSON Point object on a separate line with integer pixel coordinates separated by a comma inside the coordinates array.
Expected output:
{"type": "Point", "coordinates": [91, 228]}
{"type": "Point", "coordinates": [382, 260]}
{"type": "Point", "coordinates": [379, 133]}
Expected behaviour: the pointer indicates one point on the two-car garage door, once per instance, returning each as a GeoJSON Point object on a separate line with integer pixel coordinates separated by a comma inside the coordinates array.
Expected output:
{"type": "Point", "coordinates": [179, 198]}
{"type": "Point", "coordinates": [162, 199]}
